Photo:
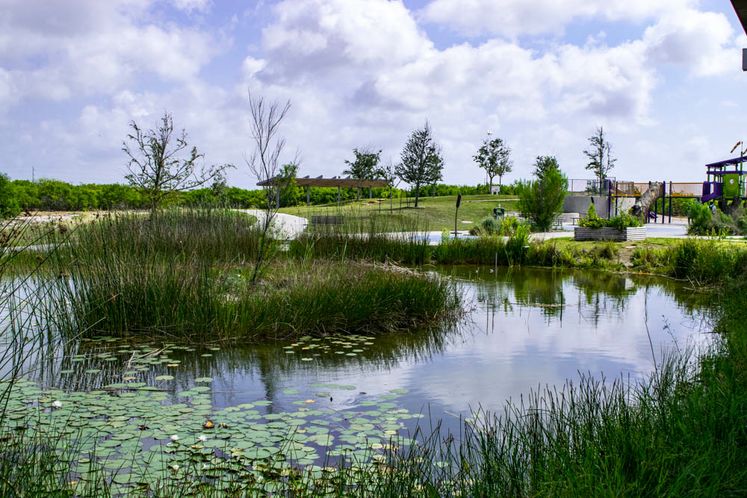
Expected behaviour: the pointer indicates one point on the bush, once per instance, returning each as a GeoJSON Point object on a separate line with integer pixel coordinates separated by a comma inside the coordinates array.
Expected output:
{"type": "Point", "coordinates": [505, 227]}
{"type": "Point", "coordinates": [710, 220]}
{"type": "Point", "coordinates": [620, 222]}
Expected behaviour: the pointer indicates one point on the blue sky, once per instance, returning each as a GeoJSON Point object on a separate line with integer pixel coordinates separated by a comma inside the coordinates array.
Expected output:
{"type": "Point", "coordinates": [664, 79]}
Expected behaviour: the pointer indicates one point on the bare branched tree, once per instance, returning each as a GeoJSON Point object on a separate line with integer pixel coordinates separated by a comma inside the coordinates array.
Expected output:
{"type": "Point", "coordinates": [161, 163]}
{"type": "Point", "coordinates": [264, 163]}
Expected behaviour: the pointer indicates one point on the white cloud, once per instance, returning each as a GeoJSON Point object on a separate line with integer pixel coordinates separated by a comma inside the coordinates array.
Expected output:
{"type": "Point", "coordinates": [90, 47]}
{"type": "Point", "coordinates": [694, 39]}
{"type": "Point", "coordinates": [344, 98]}
{"type": "Point", "coordinates": [521, 17]}
{"type": "Point", "coordinates": [314, 35]}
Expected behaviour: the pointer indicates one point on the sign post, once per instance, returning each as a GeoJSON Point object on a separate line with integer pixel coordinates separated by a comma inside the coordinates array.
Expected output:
{"type": "Point", "coordinates": [456, 213]}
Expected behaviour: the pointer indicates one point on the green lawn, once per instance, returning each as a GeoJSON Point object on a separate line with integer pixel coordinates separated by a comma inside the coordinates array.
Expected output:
{"type": "Point", "coordinates": [433, 213]}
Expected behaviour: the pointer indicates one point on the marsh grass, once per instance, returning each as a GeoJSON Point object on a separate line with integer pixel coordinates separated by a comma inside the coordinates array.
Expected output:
{"type": "Point", "coordinates": [703, 262]}
{"type": "Point", "coordinates": [195, 300]}
{"type": "Point", "coordinates": [176, 234]}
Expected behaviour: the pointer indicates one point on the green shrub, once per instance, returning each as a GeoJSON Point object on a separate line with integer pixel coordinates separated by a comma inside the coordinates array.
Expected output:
{"type": "Point", "coordinates": [623, 221]}
{"type": "Point", "coordinates": [620, 222]}
{"type": "Point", "coordinates": [488, 226]}
{"type": "Point", "coordinates": [505, 227]}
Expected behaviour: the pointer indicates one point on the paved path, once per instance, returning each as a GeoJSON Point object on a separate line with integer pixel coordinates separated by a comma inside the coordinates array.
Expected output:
{"type": "Point", "coordinates": [286, 226]}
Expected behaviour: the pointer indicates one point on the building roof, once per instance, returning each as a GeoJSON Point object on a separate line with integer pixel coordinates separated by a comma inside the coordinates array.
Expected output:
{"type": "Point", "coordinates": [329, 182]}
{"type": "Point", "coordinates": [740, 7]}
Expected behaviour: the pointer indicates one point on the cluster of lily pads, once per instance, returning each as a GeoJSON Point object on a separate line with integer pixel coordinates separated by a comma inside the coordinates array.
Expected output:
{"type": "Point", "coordinates": [145, 429]}
{"type": "Point", "coordinates": [308, 347]}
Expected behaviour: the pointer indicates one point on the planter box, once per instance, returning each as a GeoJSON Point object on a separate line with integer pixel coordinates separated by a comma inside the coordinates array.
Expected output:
{"type": "Point", "coordinates": [607, 233]}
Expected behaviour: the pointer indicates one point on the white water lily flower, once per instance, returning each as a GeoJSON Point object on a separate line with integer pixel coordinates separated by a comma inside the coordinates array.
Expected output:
{"type": "Point", "coordinates": [175, 467]}
{"type": "Point", "coordinates": [175, 438]}
{"type": "Point", "coordinates": [56, 404]}
{"type": "Point", "coordinates": [202, 438]}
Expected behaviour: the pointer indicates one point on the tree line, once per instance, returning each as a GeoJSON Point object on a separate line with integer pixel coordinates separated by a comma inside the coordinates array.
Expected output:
{"type": "Point", "coordinates": [164, 169]}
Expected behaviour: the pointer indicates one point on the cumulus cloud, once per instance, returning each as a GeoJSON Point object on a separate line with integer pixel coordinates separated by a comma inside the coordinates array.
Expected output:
{"type": "Point", "coordinates": [315, 35]}
{"type": "Point", "coordinates": [89, 47]}
{"type": "Point", "coordinates": [692, 39]}
{"type": "Point", "coordinates": [382, 94]}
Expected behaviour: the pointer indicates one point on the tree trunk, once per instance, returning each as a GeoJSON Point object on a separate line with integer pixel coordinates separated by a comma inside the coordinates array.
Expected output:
{"type": "Point", "coordinates": [417, 193]}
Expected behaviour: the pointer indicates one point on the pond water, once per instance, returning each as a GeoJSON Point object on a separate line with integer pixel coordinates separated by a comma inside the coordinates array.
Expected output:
{"type": "Point", "coordinates": [525, 329]}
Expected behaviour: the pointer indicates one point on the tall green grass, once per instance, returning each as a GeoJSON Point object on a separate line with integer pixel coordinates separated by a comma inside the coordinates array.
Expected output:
{"type": "Point", "coordinates": [177, 234]}
{"type": "Point", "coordinates": [192, 299]}
{"type": "Point", "coordinates": [708, 262]}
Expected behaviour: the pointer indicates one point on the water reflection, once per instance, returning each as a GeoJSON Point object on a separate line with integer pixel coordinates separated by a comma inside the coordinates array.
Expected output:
{"type": "Point", "coordinates": [527, 328]}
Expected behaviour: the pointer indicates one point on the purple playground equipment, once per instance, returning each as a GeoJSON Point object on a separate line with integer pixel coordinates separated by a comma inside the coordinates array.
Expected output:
{"type": "Point", "coordinates": [726, 181]}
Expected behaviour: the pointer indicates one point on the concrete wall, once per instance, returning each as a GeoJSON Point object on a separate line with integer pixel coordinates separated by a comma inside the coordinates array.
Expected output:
{"type": "Point", "coordinates": [579, 203]}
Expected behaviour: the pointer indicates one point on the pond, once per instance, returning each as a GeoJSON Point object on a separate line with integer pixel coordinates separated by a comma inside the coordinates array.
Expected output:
{"type": "Point", "coordinates": [525, 329]}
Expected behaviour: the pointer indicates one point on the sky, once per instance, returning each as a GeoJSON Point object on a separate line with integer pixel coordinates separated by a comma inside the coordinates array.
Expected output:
{"type": "Point", "coordinates": [662, 77]}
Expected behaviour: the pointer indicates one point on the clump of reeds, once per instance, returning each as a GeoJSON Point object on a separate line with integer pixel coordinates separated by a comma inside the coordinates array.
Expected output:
{"type": "Point", "coordinates": [177, 234]}
{"type": "Point", "coordinates": [193, 298]}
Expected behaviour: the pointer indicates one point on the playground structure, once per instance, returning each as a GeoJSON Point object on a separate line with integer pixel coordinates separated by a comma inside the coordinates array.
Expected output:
{"type": "Point", "coordinates": [653, 200]}
{"type": "Point", "coordinates": [725, 182]}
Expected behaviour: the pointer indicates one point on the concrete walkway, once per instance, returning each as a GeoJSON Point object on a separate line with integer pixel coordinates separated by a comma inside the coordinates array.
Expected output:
{"type": "Point", "coordinates": [285, 226]}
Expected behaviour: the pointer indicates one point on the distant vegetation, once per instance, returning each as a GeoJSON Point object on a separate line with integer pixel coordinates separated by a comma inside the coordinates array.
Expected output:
{"type": "Point", "coordinates": [55, 195]}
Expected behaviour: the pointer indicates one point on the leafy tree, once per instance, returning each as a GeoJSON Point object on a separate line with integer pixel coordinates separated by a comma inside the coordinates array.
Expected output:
{"type": "Point", "coordinates": [161, 164]}
{"type": "Point", "coordinates": [494, 157]}
{"type": "Point", "coordinates": [422, 163]}
{"type": "Point", "coordinates": [364, 166]}
{"type": "Point", "coordinates": [600, 157]}
{"type": "Point", "coordinates": [8, 202]}
{"type": "Point", "coordinates": [290, 192]}
{"type": "Point", "coordinates": [541, 200]}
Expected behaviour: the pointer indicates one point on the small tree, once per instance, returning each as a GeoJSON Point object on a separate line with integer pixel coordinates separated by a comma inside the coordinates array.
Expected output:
{"type": "Point", "coordinates": [541, 200]}
{"type": "Point", "coordinates": [264, 163]}
{"type": "Point", "coordinates": [289, 189]}
{"type": "Point", "coordinates": [161, 164]}
{"type": "Point", "coordinates": [364, 166]}
{"type": "Point", "coordinates": [600, 157]}
{"type": "Point", "coordinates": [494, 157]}
{"type": "Point", "coordinates": [422, 163]}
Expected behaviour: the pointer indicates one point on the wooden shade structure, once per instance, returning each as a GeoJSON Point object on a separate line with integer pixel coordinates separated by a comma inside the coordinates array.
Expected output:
{"type": "Point", "coordinates": [328, 182]}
